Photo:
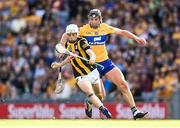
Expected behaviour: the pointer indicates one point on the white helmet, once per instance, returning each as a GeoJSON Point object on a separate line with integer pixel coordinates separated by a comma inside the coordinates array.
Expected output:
{"type": "Point", "coordinates": [72, 28]}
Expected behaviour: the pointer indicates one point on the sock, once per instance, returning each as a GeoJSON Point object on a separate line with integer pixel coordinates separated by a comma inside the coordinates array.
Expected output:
{"type": "Point", "coordinates": [101, 108]}
{"type": "Point", "coordinates": [133, 109]}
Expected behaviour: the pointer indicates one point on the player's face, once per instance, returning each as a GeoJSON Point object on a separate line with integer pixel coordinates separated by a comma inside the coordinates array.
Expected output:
{"type": "Point", "coordinates": [72, 37]}
{"type": "Point", "coordinates": [94, 22]}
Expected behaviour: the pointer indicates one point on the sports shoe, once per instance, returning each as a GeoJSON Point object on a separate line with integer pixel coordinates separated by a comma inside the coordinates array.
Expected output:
{"type": "Point", "coordinates": [105, 111]}
{"type": "Point", "coordinates": [88, 109]}
{"type": "Point", "coordinates": [139, 114]}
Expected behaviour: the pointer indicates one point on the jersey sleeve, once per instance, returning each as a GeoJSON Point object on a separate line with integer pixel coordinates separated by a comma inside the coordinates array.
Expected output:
{"type": "Point", "coordinates": [84, 44]}
{"type": "Point", "coordinates": [109, 29]}
{"type": "Point", "coordinates": [66, 45]}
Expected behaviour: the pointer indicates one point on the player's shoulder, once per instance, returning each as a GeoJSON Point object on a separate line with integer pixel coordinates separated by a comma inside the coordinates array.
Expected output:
{"type": "Point", "coordinates": [66, 44]}
{"type": "Point", "coordinates": [82, 40]}
{"type": "Point", "coordinates": [108, 28]}
{"type": "Point", "coordinates": [104, 25]}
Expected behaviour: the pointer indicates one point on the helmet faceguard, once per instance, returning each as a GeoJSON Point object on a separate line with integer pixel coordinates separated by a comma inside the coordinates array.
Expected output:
{"type": "Point", "coordinates": [95, 13]}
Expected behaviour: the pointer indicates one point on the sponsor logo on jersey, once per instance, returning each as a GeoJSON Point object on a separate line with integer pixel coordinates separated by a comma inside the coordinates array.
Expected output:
{"type": "Point", "coordinates": [97, 38]}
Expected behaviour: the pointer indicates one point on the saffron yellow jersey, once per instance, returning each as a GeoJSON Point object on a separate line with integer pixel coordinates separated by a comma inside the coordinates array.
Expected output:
{"type": "Point", "coordinates": [97, 39]}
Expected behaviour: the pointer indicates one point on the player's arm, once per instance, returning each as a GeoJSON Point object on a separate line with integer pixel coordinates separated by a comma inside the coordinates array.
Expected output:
{"type": "Point", "coordinates": [55, 65]}
{"type": "Point", "coordinates": [63, 39]}
{"type": "Point", "coordinates": [86, 47]}
{"type": "Point", "coordinates": [130, 35]}
{"type": "Point", "coordinates": [92, 56]}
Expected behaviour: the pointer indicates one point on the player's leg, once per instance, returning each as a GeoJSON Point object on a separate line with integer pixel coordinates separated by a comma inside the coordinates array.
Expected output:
{"type": "Point", "coordinates": [86, 87]}
{"type": "Point", "coordinates": [98, 88]}
{"type": "Point", "coordinates": [116, 76]}
{"type": "Point", "coordinates": [103, 91]}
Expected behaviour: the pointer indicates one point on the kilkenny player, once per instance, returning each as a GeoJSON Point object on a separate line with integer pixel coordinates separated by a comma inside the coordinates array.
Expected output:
{"type": "Point", "coordinates": [85, 72]}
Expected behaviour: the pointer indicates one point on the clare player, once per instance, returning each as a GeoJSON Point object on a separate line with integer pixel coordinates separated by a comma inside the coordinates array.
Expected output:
{"type": "Point", "coordinates": [96, 33]}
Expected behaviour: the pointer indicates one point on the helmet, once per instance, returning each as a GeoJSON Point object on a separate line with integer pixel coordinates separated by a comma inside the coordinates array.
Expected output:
{"type": "Point", "coordinates": [95, 13]}
{"type": "Point", "coordinates": [72, 28]}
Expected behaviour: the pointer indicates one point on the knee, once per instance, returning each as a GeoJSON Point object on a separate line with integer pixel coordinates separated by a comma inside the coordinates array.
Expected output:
{"type": "Point", "coordinates": [103, 94]}
{"type": "Point", "coordinates": [123, 85]}
{"type": "Point", "coordinates": [100, 96]}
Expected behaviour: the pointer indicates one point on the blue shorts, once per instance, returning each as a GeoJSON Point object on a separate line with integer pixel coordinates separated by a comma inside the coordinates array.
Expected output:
{"type": "Point", "coordinates": [108, 66]}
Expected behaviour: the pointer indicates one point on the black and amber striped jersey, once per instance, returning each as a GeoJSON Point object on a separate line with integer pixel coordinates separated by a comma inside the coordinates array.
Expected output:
{"type": "Point", "coordinates": [80, 67]}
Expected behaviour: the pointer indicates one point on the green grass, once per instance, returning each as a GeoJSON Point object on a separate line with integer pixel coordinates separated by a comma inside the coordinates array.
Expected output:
{"type": "Point", "coordinates": [87, 123]}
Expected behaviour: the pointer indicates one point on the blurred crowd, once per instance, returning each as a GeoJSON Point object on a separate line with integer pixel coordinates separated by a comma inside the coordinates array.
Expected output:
{"type": "Point", "coordinates": [29, 30]}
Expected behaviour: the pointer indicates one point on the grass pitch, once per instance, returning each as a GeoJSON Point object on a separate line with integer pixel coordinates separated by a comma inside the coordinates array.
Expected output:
{"type": "Point", "coordinates": [89, 123]}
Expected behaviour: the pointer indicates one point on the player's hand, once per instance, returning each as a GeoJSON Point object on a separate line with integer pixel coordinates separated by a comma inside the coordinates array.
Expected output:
{"type": "Point", "coordinates": [55, 65]}
{"type": "Point", "coordinates": [70, 57]}
{"type": "Point", "coordinates": [92, 61]}
{"type": "Point", "coordinates": [141, 41]}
